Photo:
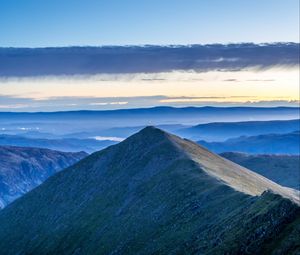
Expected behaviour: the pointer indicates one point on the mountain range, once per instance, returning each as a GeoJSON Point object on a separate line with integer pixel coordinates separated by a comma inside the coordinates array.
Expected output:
{"type": "Point", "coordinates": [61, 144]}
{"type": "Point", "coordinates": [220, 131]}
{"type": "Point", "coordinates": [262, 144]}
{"type": "Point", "coordinates": [153, 193]}
{"type": "Point", "coordinates": [24, 168]}
{"type": "Point", "coordinates": [59, 123]}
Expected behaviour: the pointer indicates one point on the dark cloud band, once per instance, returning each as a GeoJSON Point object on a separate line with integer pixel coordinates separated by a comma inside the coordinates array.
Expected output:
{"type": "Point", "coordinates": [134, 59]}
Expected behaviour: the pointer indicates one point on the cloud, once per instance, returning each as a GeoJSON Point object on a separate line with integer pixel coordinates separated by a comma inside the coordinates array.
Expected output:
{"type": "Point", "coordinates": [177, 88]}
{"type": "Point", "coordinates": [231, 80]}
{"type": "Point", "coordinates": [264, 80]}
{"type": "Point", "coordinates": [20, 62]}
{"type": "Point", "coordinates": [109, 103]}
{"type": "Point", "coordinates": [13, 106]}
{"type": "Point", "coordinates": [110, 138]}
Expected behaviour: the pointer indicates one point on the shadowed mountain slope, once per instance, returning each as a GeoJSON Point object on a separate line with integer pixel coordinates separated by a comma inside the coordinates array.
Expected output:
{"type": "Point", "coordinates": [22, 169]}
{"type": "Point", "coordinates": [152, 193]}
{"type": "Point", "coordinates": [282, 169]}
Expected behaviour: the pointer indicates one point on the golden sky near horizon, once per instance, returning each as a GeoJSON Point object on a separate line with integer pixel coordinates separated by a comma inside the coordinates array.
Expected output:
{"type": "Point", "coordinates": [181, 86]}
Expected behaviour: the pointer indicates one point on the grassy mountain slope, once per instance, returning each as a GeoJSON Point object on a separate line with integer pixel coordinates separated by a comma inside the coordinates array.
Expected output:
{"type": "Point", "coordinates": [154, 193]}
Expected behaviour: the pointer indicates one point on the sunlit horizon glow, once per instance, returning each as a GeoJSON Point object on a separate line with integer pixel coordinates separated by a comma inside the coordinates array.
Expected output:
{"type": "Point", "coordinates": [182, 88]}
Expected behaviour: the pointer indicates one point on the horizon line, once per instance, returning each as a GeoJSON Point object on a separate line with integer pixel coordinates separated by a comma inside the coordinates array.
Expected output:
{"type": "Point", "coordinates": [154, 107]}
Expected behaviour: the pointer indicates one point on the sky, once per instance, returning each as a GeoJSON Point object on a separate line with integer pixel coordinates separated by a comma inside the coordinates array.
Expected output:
{"type": "Point", "coordinates": [36, 23]}
{"type": "Point", "coordinates": [272, 87]}
{"type": "Point", "coordinates": [52, 23]}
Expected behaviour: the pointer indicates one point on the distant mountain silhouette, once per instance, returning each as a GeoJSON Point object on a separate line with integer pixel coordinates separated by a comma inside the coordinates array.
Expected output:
{"type": "Point", "coordinates": [219, 131]}
{"type": "Point", "coordinates": [263, 144]}
{"type": "Point", "coordinates": [61, 144]}
{"type": "Point", "coordinates": [94, 121]}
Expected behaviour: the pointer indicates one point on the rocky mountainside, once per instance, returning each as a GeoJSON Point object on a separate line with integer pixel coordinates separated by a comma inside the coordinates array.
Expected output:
{"type": "Point", "coordinates": [22, 169]}
{"type": "Point", "coordinates": [153, 193]}
{"type": "Point", "coordinates": [282, 169]}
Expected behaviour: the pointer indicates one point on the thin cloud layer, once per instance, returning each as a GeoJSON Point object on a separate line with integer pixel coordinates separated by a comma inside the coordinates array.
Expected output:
{"type": "Point", "coordinates": [17, 103]}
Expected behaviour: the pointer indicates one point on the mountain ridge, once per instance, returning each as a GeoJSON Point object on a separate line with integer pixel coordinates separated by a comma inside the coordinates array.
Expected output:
{"type": "Point", "coordinates": [145, 196]}
{"type": "Point", "coordinates": [194, 151]}
{"type": "Point", "coordinates": [157, 108]}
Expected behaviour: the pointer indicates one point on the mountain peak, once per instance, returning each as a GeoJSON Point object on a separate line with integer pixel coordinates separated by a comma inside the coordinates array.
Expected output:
{"type": "Point", "coordinates": [225, 171]}
{"type": "Point", "coordinates": [152, 140]}
{"type": "Point", "coordinates": [152, 193]}
{"type": "Point", "coordinates": [152, 130]}
{"type": "Point", "coordinates": [148, 136]}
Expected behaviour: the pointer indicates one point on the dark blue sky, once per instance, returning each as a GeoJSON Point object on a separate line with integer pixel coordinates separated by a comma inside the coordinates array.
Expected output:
{"type": "Point", "coordinates": [36, 23]}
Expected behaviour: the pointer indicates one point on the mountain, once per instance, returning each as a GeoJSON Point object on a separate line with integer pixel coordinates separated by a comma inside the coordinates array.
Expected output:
{"type": "Point", "coordinates": [22, 169]}
{"type": "Point", "coordinates": [61, 144]}
{"type": "Point", "coordinates": [58, 123]}
{"type": "Point", "coordinates": [262, 144]}
{"type": "Point", "coordinates": [153, 193]}
{"type": "Point", "coordinates": [282, 169]}
{"type": "Point", "coordinates": [149, 58]}
{"type": "Point", "coordinates": [220, 131]}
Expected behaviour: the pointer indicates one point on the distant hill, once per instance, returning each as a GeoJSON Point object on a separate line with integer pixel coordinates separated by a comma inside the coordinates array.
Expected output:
{"type": "Point", "coordinates": [220, 131]}
{"type": "Point", "coordinates": [62, 144]}
{"type": "Point", "coordinates": [96, 121]}
{"type": "Point", "coordinates": [153, 193]}
{"type": "Point", "coordinates": [282, 169]}
{"type": "Point", "coordinates": [22, 169]}
{"type": "Point", "coordinates": [262, 144]}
